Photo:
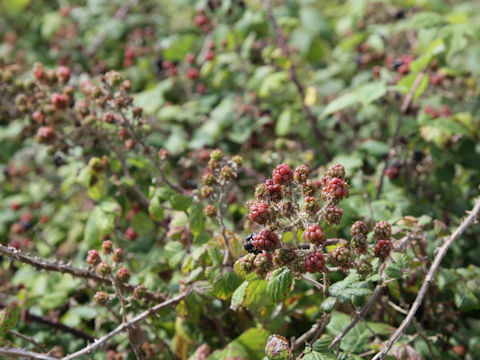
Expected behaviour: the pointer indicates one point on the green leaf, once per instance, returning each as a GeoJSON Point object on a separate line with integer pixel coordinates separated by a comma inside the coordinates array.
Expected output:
{"type": "Point", "coordinates": [238, 296]}
{"type": "Point", "coordinates": [181, 202]}
{"type": "Point", "coordinates": [197, 219]}
{"type": "Point", "coordinates": [225, 284]}
{"type": "Point", "coordinates": [394, 271]}
{"type": "Point", "coordinates": [256, 295]}
{"type": "Point", "coordinates": [14, 7]}
{"type": "Point", "coordinates": [329, 304]}
{"type": "Point", "coordinates": [284, 122]}
{"type": "Point", "coordinates": [279, 284]}
{"type": "Point", "coordinates": [175, 251]}
{"type": "Point", "coordinates": [141, 223]}
{"type": "Point", "coordinates": [9, 318]}
{"type": "Point", "coordinates": [155, 209]}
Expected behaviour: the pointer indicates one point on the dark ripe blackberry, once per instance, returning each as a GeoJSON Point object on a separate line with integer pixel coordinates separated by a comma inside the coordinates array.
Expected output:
{"type": "Point", "coordinates": [397, 63]}
{"type": "Point", "coordinates": [418, 155]}
{"type": "Point", "coordinates": [248, 246]}
{"type": "Point", "coordinates": [58, 161]}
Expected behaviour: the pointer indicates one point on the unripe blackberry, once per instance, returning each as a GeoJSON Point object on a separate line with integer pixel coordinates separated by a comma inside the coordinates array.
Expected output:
{"type": "Point", "coordinates": [314, 262]}
{"type": "Point", "coordinates": [206, 191]}
{"type": "Point", "coordinates": [382, 230]}
{"type": "Point", "coordinates": [131, 234]}
{"type": "Point", "coordinates": [309, 188]}
{"type": "Point", "coordinates": [216, 155]}
{"type": "Point", "coordinates": [63, 74]}
{"type": "Point", "coordinates": [213, 165]}
{"type": "Point", "coordinates": [101, 297]}
{"type": "Point", "coordinates": [314, 234]}
{"type": "Point", "coordinates": [282, 174]}
{"type": "Point", "coordinates": [123, 134]}
{"type": "Point", "coordinates": [359, 244]}
{"type": "Point", "coordinates": [311, 205]}
{"type": "Point", "coordinates": [359, 227]}
{"type": "Point", "coordinates": [46, 135]}
{"type": "Point", "coordinates": [238, 160]}
{"type": "Point", "coordinates": [259, 212]}
{"type": "Point", "coordinates": [300, 175]}
{"type": "Point", "coordinates": [93, 258]}
{"type": "Point", "coordinates": [104, 268]}
{"type": "Point", "coordinates": [278, 348]}
{"type": "Point", "coordinates": [335, 171]}
{"type": "Point", "coordinates": [210, 211]}
{"type": "Point", "coordinates": [208, 178]}
{"type": "Point", "coordinates": [137, 112]}
{"type": "Point", "coordinates": [117, 255]}
{"type": "Point", "coordinates": [262, 264]}
{"type": "Point", "coordinates": [335, 190]}
{"type": "Point", "coordinates": [383, 249]}
{"type": "Point", "coordinates": [261, 192]}
{"type": "Point", "coordinates": [244, 265]}
{"type": "Point", "coordinates": [139, 292]}
{"type": "Point", "coordinates": [333, 215]}
{"type": "Point", "coordinates": [130, 144]}
{"type": "Point", "coordinates": [122, 275]}
{"type": "Point", "coordinates": [266, 240]}
{"type": "Point", "coordinates": [163, 154]}
{"type": "Point", "coordinates": [113, 78]}
{"type": "Point", "coordinates": [107, 247]}
{"type": "Point", "coordinates": [192, 73]}
{"type": "Point", "coordinates": [227, 173]}
{"type": "Point", "coordinates": [341, 256]}
{"type": "Point", "coordinates": [59, 101]}
{"type": "Point", "coordinates": [274, 190]}
{"type": "Point", "coordinates": [283, 256]}
{"type": "Point", "coordinates": [364, 269]}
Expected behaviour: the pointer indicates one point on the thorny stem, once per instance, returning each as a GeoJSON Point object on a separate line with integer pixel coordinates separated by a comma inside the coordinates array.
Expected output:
{"type": "Point", "coordinates": [472, 217]}
{"type": "Point", "coordinates": [222, 224]}
{"type": "Point", "coordinates": [68, 269]}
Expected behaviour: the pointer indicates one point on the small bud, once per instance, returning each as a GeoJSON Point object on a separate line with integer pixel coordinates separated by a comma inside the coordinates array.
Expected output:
{"type": "Point", "coordinates": [93, 258]}
{"type": "Point", "coordinates": [101, 297]}
{"type": "Point", "coordinates": [117, 255]}
{"type": "Point", "coordinates": [107, 247]}
{"type": "Point", "coordinates": [122, 275]}
{"type": "Point", "coordinates": [104, 268]}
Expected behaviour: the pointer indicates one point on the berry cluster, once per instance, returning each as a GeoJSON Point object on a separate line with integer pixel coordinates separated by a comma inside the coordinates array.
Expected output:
{"type": "Point", "coordinates": [290, 202]}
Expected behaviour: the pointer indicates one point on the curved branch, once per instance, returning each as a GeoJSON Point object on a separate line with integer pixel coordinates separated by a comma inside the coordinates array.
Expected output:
{"type": "Point", "coordinates": [88, 349]}
{"type": "Point", "coordinates": [38, 263]}
{"type": "Point", "coordinates": [24, 354]}
{"type": "Point", "coordinates": [472, 217]}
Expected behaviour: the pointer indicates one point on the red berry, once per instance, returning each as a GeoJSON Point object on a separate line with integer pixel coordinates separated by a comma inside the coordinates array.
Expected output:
{"type": "Point", "coordinates": [314, 262]}
{"type": "Point", "coordinates": [131, 234]}
{"type": "Point", "coordinates": [38, 72]}
{"type": "Point", "coordinates": [314, 234]}
{"type": "Point", "coordinates": [93, 258]}
{"type": "Point", "coordinates": [59, 101]}
{"type": "Point", "coordinates": [266, 240]}
{"type": "Point", "coordinates": [282, 174]}
{"type": "Point", "coordinates": [107, 247]}
{"type": "Point", "coordinates": [63, 73]}
{"type": "Point", "coordinates": [210, 56]}
{"type": "Point", "coordinates": [259, 212]}
{"type": "Point", "coordinates": [383, 249]}
{"type": "Point", "coordinates": [200, 20]}
{"type": "Point", "coordinates": [334, 171]}
{"type": "Point", "coordinates": [15, 206]}
{"type": "Point", "coordinates": [46, 134]}
{"type": "Point", "coordinates": [190, 58]}
{"type": "Point", "coordinates": [201, 88]}
{"type": "Point", "coordinates": [122, 275]}
{"type": "Point", "coordinates": [274, 190]}
{"type": "Point", "coordinates": [392, 173]}
{"type": "Point", "coordinates": [335, 190]}
{"type": "Point", "coordinates": [192, 73]}
{"type": "Point", "coordinates": [117, 255]}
